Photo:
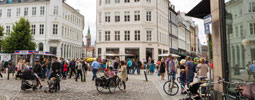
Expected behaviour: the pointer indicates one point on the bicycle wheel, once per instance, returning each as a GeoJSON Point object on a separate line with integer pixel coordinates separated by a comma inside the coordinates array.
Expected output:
{"type": "Point", "coordinates": [171, 88]}
{"type": "Point", "coordinates": [112, 86]}
{"type": "Point", "coordinates": [120, 84]}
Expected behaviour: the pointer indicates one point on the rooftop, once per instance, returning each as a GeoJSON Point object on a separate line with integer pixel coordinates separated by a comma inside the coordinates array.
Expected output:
{"type": "Point", "coordinates": [20, 1]}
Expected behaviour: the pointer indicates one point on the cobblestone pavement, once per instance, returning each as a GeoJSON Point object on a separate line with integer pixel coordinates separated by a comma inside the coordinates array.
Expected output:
{"type": "Point", "coordinates": [137, 89]}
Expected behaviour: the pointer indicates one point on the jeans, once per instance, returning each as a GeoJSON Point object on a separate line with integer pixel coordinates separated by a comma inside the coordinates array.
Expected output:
{"type": "Point", "coordinates": [48, 71]}
{"type": "Point", "coordinates": [138, 71]}
{"type": "Point", "coordinates": [173, 76]}
{"type": "Point", "coordinates": [133, 72]}
{"type": "Point", "coordinates": [64, 74]}
{"type": "Point", "coordinates": [79, 72]}
{"type": "Point", "coordinates": [94, 74]}
{"type": "Point", "coordinates": [71, 73]}
{"type": "Point", "coordinates": [44, 73]}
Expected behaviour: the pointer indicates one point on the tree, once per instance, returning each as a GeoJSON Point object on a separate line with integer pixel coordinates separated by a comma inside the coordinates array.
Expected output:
{"type": "Point", "coordinates": [1, 36]}
{"type": "Point", "coordinates": [20, 38]}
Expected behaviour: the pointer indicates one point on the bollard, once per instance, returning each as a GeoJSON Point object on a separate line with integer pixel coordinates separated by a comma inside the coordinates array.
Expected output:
{"type": "Point", "coordinates": [145, 74]}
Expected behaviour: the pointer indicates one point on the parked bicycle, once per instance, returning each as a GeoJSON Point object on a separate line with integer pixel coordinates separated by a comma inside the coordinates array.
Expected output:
{"type": "Point", "coordinates": [236, 91]}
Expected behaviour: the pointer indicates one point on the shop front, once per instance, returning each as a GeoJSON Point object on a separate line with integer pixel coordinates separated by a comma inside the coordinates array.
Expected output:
{"type": "Point", "coordinates": [233, 37]}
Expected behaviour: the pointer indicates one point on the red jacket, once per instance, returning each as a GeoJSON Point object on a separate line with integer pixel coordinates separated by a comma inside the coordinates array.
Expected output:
{"type": "Point", "coordinates": [65, 67]}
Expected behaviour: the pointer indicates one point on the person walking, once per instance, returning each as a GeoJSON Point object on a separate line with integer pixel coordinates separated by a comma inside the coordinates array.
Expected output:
{"type": "Point", "coordinates": [123, 74]}
{"type": "Point", "coordinates": [85, 69]}
{"type": "Point", "coordinates": [171, 70]}
{"type": "Point", "coordinates": [72, 67]}
{"type": "Point", "coordinates": [152, 67]}
{"type": "Point", "coordinates": [162, 68]}
{"type": "Point", "coordinates": [37, 70]}
{"type": "Point", "coordinates": [95, 66]}
{"type": "Point", "coordinates": [252, 69]}
{"type": "Point", "coordinates": [44, 69]}
{"type": "Point", "coordinates": [55, 70]}
{"type": "Point", "coordinates": [203, 69]}
{"type": "Point", "coordinates": [139, 66]}
{"type": "Point", "coordinates": [182, 75]}
{"type": "Point", "coordinates": [134, 65]}
{"type": "Point", "coordinates": [189, 68]}
{"type": "Point", "coordinates": [65, 70]}
{"type": "Point", "coordinates": [248, 71]}
{"type": "Point", "coordinates": [129, 66]}
{"type": "Point", "coordinates": [79, 70]}
{"type": "Point", "coordinates": [116, 65]}
{"type": "Point", "coordinates": [19, 69]}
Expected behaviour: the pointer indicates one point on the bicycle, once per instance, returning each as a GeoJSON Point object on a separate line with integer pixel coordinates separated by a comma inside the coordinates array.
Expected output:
{"type": "Point", "coordinates": [170, 86]}
{"type": "Point", "coordinates": [235, 90]}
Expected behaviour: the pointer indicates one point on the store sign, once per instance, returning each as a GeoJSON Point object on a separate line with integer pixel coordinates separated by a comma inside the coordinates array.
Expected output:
{"type": "Point", "coordinates": [207, 23]}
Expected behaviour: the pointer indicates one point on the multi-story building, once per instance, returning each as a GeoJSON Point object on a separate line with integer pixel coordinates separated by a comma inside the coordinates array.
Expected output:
{"type": "Point", "coordinates": [173, 30]}
{"type": "Point", "coordinates": [240, 32]}
{"type": "Point", "coordinates": [55, 25]}
{"type": "Point", "coordinates": [132, 28]}
{"type": "Point", "coordinates": [182, 35]}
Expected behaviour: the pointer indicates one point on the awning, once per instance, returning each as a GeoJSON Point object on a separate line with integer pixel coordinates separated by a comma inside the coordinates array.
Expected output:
{"type": "Point", "coordinates": [200, 10]}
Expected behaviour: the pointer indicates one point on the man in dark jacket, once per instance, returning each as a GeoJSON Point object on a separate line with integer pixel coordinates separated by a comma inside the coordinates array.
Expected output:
{"type": "Point", "coordinates": [37, 72]}
{"type": "Point", "coordinates": [55, 67]}
{"type": "Point", "coordinates": [72, 66]}
{"type": "Point", "coordinates": [54, 70]}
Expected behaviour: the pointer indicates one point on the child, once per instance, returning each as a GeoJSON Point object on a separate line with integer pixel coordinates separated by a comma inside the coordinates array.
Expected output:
{"type": "Point", "coordinates": [65, 70]}
{"type": "Point", "coordinates": [109, 73]}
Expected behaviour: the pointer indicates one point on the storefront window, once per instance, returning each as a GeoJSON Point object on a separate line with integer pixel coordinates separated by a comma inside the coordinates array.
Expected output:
{"type": "Point", "coordinates": [240, 42]}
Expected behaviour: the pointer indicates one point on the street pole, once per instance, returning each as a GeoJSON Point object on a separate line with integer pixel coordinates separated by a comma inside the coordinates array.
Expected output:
{"type": "Point", "coordinates": [209, 56]}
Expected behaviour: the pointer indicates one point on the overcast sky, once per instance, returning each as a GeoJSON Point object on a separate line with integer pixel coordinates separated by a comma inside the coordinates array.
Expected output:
{"type": "Point", "coordinates": [88, 9]}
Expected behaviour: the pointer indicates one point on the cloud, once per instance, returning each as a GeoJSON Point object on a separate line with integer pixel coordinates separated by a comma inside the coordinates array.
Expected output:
{"type": "Point", "coordinates": [88, 9]}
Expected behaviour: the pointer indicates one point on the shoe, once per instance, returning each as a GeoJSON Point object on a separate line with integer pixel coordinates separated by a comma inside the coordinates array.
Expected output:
{"type": "Point", "coordinates": [40, 87]}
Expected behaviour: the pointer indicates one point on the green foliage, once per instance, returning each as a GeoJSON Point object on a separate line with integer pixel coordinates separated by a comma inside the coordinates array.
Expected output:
{"type": "Point", "coordinates": [20, 38]}
{"type": "Point", "coordinates": [1, 36]}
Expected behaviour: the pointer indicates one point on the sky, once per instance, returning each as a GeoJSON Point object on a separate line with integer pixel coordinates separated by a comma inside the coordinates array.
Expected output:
{"type": "Point", "coordinates": [88, 9]}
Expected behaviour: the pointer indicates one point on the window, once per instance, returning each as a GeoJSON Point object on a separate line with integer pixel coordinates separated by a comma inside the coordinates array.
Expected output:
{"type": "Point", "coordinates": [127, 1]}
{"type": "Point", "coordinates": [148, 1]}
{"type": "Point", "coordinates": [25, 11]}
{"type": "Point", "coordinates": [40, 45]}
{"type": "Point", "coordinates": [137, 15]}
{"type": "Point", "coordinates": [99, 36]}
{"type": "Point", "coordinates": [9, 12]}
{"type": "Point", "coordinates": [148, 15]}
{"type": "Point", "coordinates": [137, 35]}
{"type": "Point", "coordinates": [33, 11]}
{"type": "Point", "coordinates": [107, 17]}
{"type": "Point", "coordinates": [8, 30]}
{"type": "Point", "coordinates": [55, 10]}
{"type": "Point", "coordinates": [127, 35]}
{"type": "Point", "coordinates": [33, 27]}
{"type": "Point", "coordinates": [18, 12]}
{"type": "Point", "coordinates": [100, 2]}
{"type": "Point", "coordinates": [137, 0]}
{"type": "Point", "coordinates": [1, 13]}
{"type": "Point", "coordinates": [107, 35]}
{"type": "Point", "coordinates": [117, 1]}
{"type": "Point", "coordinates": [42, 10]}
{"type": "Point", "coordinates": [107, 1]}
{"type": "Point", "coordinates": [236, 28]}
{"type": "Point", "coordinates": [100, 17]}
{"type": "Point", "coordinates": [241, 30]}
{"type": "Point", "coordinates": [127, 16]}
{"type": "Point", "coordinates": [148, 35]}
{"type": "Point", "coordinates": [117, 35]}
{"type": "Point", "coordinates": [41, 29]}
{"type": "Point", "coordinates": [252, 28]}
{"type": "Point", "coordinates": [55, 28]}
{"type": "Point", "coordinates": [251, 6]}
{"type": "Point", "coordinates": [117, 16]}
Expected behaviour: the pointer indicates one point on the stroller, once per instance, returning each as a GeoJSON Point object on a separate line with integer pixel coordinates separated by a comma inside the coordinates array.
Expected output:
{"type": "Point", "coordinates": [192, 92]}
{"type": "Point", "coordinates": [29, 81]}
{"type": "Point", "coordinates": [53, 84]}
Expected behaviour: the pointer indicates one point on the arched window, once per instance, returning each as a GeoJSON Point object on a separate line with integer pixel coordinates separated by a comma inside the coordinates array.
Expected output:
{"type": "Point", "coordinates": [40, 45]}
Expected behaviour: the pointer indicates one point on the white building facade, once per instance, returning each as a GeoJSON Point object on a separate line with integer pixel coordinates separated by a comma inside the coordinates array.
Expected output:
{"type": "Point", "coordinates": [132, 29]}
{"type": "Point", "coordinates": [56, 26]}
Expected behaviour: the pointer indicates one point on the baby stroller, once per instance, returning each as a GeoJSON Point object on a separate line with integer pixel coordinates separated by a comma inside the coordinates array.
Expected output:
{"type": "Point", "coordinates": [192, 92]}
{"type": "Point", "coordinates": [29, 81]}
{"type": "Point", "coordinates": [54, 84]}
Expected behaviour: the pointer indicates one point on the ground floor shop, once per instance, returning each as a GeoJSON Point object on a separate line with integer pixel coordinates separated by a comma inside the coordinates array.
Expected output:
{"type": "Point", "coordinates": [142, 51]}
